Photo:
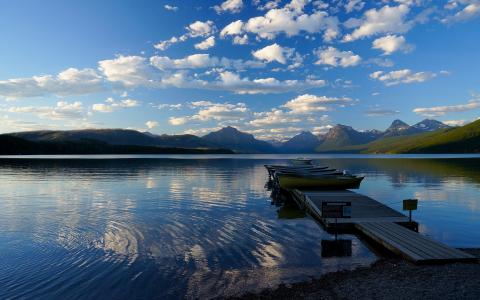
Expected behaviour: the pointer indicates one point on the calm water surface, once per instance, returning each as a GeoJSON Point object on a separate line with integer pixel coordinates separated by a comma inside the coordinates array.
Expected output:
{"type": "Point", "coordinates": [197, 226]}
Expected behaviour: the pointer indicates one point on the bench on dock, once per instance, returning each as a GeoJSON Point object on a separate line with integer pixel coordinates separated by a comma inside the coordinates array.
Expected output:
{"type": "Point", "coordinates": [363, 209]}
{"type": "Point", "coordinates": [379, 223]}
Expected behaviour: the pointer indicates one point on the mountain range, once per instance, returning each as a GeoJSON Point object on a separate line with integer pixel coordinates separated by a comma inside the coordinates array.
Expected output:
{"type": "Point", "coordinates": [427, 136]}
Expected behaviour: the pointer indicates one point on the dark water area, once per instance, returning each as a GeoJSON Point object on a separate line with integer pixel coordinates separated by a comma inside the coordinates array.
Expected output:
{"type": "Point", "coordinates": [197, 227]}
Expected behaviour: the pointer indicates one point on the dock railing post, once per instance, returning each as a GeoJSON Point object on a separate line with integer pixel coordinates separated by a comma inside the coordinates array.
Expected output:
{"type": "Point", "coordinates": [410, 204]}
{"type": "Point", "coordinates": [336, 228]}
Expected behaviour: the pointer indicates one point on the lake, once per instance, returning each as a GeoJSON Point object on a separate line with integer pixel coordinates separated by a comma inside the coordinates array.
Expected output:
{"type": "Point", "coordinates": [130, 227]}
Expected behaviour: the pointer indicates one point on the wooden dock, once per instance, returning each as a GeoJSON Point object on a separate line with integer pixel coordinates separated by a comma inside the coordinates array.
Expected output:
{"type": "Point", "coordinates": [381, 224]}
{"type": "Point", "coordinates": [364, 209]}
{"type": "Point", "coordinates": [411, 245]}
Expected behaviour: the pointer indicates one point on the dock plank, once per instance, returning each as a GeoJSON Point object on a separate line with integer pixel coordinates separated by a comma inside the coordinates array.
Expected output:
{"type": "Point", "coordinates": [379, 222]}
{"type": "Point", "coordinates": [411, 245]}
{"type": "Point", "coordinates": [407, 241]}
{"type": "Point", "coordinates": [364, 208]}
{"type": "Point", "coordinates": [432, 247]}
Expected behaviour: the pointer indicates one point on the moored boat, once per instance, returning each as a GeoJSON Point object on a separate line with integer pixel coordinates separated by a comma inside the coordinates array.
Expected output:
{"type": "Point", "coordinates": [309, 181]}
{"type": "Point", "coordinates": [301, 161]}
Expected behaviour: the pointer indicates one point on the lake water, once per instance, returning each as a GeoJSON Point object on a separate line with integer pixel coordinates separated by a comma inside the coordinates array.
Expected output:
{"type": "Point", "coordinates": [198, 226]}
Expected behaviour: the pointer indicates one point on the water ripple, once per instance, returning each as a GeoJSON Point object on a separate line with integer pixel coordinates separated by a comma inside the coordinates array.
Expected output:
{"type": "Point", "coordinates": [166, 228]}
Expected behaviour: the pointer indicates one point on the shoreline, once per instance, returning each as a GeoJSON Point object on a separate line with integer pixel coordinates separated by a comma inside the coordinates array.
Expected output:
{"type": "Point", "coordinates": [387, 278]}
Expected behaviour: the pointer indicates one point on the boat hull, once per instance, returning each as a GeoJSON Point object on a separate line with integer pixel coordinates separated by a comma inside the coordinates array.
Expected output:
{"type": "Point", "coordinates": [327, 182]}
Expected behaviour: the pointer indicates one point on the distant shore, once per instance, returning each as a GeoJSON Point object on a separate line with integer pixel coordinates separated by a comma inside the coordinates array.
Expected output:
{"type": "Point", "coordinates": [387, 279]}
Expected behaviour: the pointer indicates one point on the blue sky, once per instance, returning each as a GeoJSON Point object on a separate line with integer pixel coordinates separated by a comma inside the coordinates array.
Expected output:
{"type": "Point", "coordinates": [272, 68]}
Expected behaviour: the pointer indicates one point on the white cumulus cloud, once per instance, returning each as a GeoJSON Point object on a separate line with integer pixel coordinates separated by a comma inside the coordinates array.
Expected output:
{"type": "Point", "coordinates": [112, 105]}
{"type": "Point", "coordinates": [61, 111]}
{"type": "Point", "coordinates": [273, 53]}
{"type": "Point", "coordinates": [128, 70]}
{"type": "Point", "coordinates": [402, 76]}
{"type": "Point", "coordinates": [195, 29]}
{"type": "Point", "coordinates": [232, 6]}
{"type": "Point", "coordinates": [170, 7]}
{"type": "Point", "coordinates": [436, 111]}
{"type": "Point", "coordinates": [333, 57]}
{"type": "Point", "coordinates": [199, 61]}
{"type": "Point", "coordinates": [391, 43]}
{"type": "Point", "coordinates": [305, 104]}
{"type": "Point", "coordinates": [68, 82]}
{"type": "Point", "coordinates": [206, 44]}
{"type": "Point", "coordinates": [151, 124]}
{"type": "Point", "coordinates": [388, 19]}
{"type": "Point", "coordinates": [290, 20]}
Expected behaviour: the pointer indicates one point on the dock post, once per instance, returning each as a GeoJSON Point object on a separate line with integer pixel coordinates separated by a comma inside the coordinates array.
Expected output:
{"type": "Point", "coordinates": [336, 228]}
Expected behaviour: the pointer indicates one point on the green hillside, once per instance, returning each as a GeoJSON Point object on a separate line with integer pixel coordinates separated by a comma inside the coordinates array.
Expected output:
{"type": "Point", "coordinates": [465, 139]}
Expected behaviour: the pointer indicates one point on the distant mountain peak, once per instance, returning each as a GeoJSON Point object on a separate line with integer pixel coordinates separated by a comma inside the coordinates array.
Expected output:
{"type": "Point", "coordinates": [398, 124]}
{"type": "Point", "coordinates": [304, 142]}
{"type": "Point", "coordinates": [231, 138]}
{"type": "Point", "coordinates": [343, 135]}
{"type": "Point", "coordinates": [430, 125]}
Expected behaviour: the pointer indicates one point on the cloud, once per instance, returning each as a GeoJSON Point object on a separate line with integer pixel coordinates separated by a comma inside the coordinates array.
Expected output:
{"type": "Point", "coordinates": [381, 62]}
{"type": "Point", "coordinates": [300, 110]}
{"type": "Point", "coordinates": [134, 71]}
{"type": "Point", "coordinates": [8, 124]}
{"type": "Point", "coordinates": [289, 20]}
{"type": "Point", "coordinates": [201, 103]}
{"type": "Point", "coordinates": [201, 131]}
{"type": "Point", "coordinates": [111, 105]}
{"type": "Point", "coordinates": [380, 112]}
{"type": "Point", "coordinates": [213, 111]}
{"type": "Point", "coordinates": [402, 76]}
{"type": "Point", "coordinates": [273, 53]}
{"type": "Point", "coordinates": [276, 133]}
{"type": "Point", "coordinates": [206, 44]}
{"type": "Point", "coordinates": [232, 82]}
{"type": "Point", "coordinates": [268, 4]}
{"type": "Point", "coordinates": [129, 70]}
{"type": "Point", "coordinates": [443, 110]}
{"type": "Point", "coordinates": [164, 45]}
{"type": "Point", "coordinates": [320, 130]}
{"type": "Point", "coordinates": [63, 110]}
{"type": "Point", "coordinates": [222, 111]}
{"type": "Point", "coordinates": [391, 43]}
{"type": "Point", "coordinates": [151, 124]}
{"type": "Point", "coordinates": [169, 106]}
{"type": "Point", "coordinates": [352, 5]}
{"type": "Point", "coordinates": [274, 117]}
{"type": "Point", "coordinates": [68, 82]}
{"type": "Point", "coordinates": [233, 28]}
{"type": "Point", "coordinates": [196, 29]}
{"type": "Point", "coordinates": [470, 10]}
{"type": "Point", "coordinates": [177, 121]}
{"type": "Point", "coordinates": [388, 19]}
{"type": "Point", "coordinates": [240, 40]}
{"type": "Point", "coordinates": [333, 57]}
{"type": "Point", "coordinates": [160, 72]}
{"type": "Point", "coordinates": [200, 61]}
{"type": "Point", "coordinates": [170, 7]}
{"type": "Point", "coordinates": [280, 124]}
{"type": "Point", "coordinates": [232, 6]}
{"type": "Point", "coordinates": [455, 122]}
{"type": "Point", "coordinates": [201, 29]}
{"type": "Point", "coordinates": [306, 104]}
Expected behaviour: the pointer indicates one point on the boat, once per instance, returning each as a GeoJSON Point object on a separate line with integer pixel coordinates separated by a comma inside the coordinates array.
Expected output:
{"type": "Point", "coordinates": [309, 181]}
{"type": "Point", "coordinates": [280, 168]}
{"type": "Point", "coordinates": [301, 161]}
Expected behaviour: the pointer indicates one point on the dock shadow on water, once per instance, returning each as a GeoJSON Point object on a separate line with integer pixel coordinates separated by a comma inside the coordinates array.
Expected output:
{"type": "Point", "coordinates": [196, 228]}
